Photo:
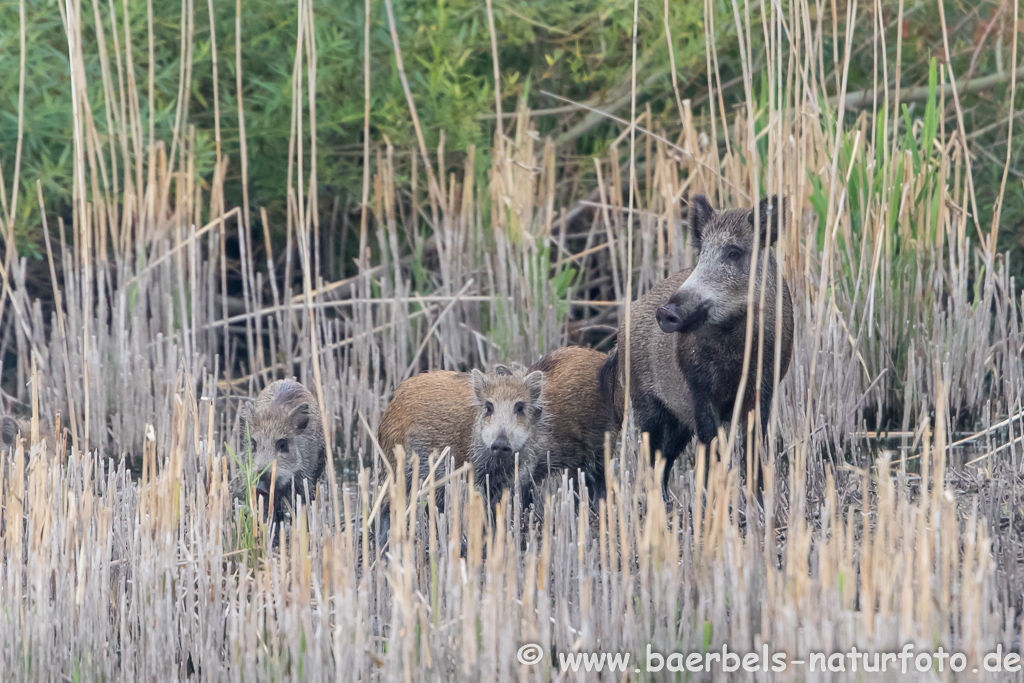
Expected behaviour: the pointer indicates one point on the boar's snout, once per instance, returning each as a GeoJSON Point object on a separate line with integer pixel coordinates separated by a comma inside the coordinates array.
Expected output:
{"type": "Point", "coordinates": [501, 448]}
{"type": "Point", "coordinates": [280, 493]}
{"type": "Point", "coordinates": [682, 314]}
{"type": "Point", "coordinates": [668, 318]}
{"type": "Point", "coordinates": [263, 486]}
{"type": "Point", "coordinates": [281, 488]}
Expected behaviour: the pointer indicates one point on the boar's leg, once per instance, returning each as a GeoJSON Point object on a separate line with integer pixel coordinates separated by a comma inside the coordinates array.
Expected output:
{"type": "Point", "coordinates": [421, 449]}
{"type": "Point", "coordinates": [379, 538]}
{"type": "Point", "coordinates": [594, 476]}
{"type": "Point", "coordinates": [651, 416]}
{"type": "Point", "coordinates": [675, 440]}
{"type": "Point", "coordinates": [527, 490]}
{"type": "Point", "coordinates": [767, 393]}
{"type": "Point", "coordinates": [666, 433]}
{"type": "Point", "coordinates": [705, 416]}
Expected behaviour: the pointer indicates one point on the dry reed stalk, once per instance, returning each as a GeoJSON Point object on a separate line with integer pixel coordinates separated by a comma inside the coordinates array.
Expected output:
{"type": "Point", "coordinates": [629, 228]}
{"type": "Point", "coordinates": [11, 211]}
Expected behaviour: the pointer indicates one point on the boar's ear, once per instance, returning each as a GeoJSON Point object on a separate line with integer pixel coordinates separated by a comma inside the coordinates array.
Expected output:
{"type": "Point", "coordinates": [300, 417]}
{"type": "Point", "coordinates": [509, 369]}
{"type": "Point", "coordinates": [701, 214]}
{"type": "Point", "coordinates": [535, 383]}
{"type": "Point", "coordinates": [245, 411]}
{"type": "Point", "coordinates": [771, 211]}
{"type": "Point", "coordinates": [477, 380]}
{"type": "Point", "coordinates": [9, 431]}
{"type": "Point", "coordinates": [502, 370]}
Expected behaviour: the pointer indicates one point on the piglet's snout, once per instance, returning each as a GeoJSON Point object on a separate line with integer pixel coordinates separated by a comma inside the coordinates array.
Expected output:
{"type": "Point", "coordinates": [263, 486]}
{"type": "Point", "coordinates": [501, 448]}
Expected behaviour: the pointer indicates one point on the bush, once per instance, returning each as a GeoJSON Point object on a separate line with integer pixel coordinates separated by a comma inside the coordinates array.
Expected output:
{"type": "Point", "coordinates": [580, 50]}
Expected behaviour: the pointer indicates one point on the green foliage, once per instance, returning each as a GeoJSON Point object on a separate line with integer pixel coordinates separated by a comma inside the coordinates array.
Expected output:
{"type": "Point", "coordinates": [563, 279]}
{"type": "Point", "coordinates": [246, 523]}
{"type": "Point", "coordinates": [580, 49]}
{"type": "Point", "coordinates": [911, 231]}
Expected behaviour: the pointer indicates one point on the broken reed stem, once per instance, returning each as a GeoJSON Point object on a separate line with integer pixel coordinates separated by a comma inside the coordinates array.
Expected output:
{"type": "Point", "coordinates": [59, 304]}
{"type": "Point", "coordinates": [998, 209]}
{"type": "Point", "coordinates": [629, 227]}
{"type": "Point", "coordinates": [745, 60]}
{"type": "Point", "coordinates": [364, 204]}
{"type": "Point", "coordinates": [990, 244]}
{"type": "Point", "coordinates": [499, 118]}
{"type": "Point", "coordinates": [16, 180]}
{"type": "Point", "coordinates": [672, 64]}
{"type": "Point", "coordinates": [218, 185]}
{"type": "Point", "coordinates": [431, 179]}
{"type": "Point", "coordinates": [245, 231]}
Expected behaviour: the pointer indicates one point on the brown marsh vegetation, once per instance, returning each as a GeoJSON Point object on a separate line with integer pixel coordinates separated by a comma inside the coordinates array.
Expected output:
{"type": "Point", "coordinates": [125, 558]}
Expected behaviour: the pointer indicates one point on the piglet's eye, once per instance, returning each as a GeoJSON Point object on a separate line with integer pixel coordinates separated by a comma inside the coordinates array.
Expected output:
{"type": "Point", "coordinates": [282, 445]}
{"type": "Point", "coordinates": [520, 408]}
{"type": "Point", "coordinates": [488, 408]}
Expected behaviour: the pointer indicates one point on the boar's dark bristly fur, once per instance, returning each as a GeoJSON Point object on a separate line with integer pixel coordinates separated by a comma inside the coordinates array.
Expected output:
{"type": "Point", "coordinates": [283, 425]}
{"type": "Point", "coordinates": [687, 334]}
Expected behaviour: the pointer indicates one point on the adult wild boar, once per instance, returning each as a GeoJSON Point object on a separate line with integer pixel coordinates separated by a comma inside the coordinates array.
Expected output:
{"type": "Point", "coordinates": [687, 334]}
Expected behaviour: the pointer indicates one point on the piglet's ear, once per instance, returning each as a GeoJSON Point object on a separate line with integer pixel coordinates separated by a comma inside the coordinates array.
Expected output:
{"type": "Point", "coordinates": [477, 380]}
{"type": "Point", "coordinates": [245, 411]}
{"type": "Point", "coordinates": [535, 383]}
{"type": "Point", "coordinates": [9, 431]}
{"type": "Point", "coordinates": [300, 417]}
{"type": "Point", "coordinates": [769, 219]}
{"type": "Point", "coordinates": [701, 214]}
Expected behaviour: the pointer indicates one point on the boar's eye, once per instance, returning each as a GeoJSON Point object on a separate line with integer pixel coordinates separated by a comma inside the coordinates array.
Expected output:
{"type": "Point", "coordinates": [488, 409]}
{"type": "Point", "coordinates": [733, 253]}
{"type": "Point", "coordinates": [520, 408]}
{"type": "Point", "coordinates": [282, 445]}
{"type": "Point", "coordinates": [252, 444]}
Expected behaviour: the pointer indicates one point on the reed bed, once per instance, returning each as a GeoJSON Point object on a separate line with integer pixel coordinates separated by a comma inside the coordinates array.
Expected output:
{"type": "Point", "coordinates": [125, 558]}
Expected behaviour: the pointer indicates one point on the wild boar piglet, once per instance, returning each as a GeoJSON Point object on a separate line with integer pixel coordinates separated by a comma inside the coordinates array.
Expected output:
{"type": "Point", "coordinates": [283, 427]}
